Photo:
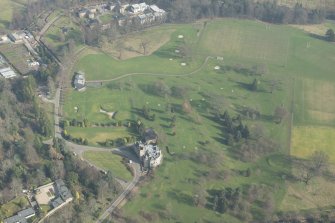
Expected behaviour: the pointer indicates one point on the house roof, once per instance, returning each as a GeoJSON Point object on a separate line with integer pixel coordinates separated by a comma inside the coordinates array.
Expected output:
{"type": "Point", "coordinates": [150, 134]}
{"type": "Point", "coordinates": [15, 219]}
{"type": "Point", "coordinates": [26, 213]}
{"type": "Point", "coordinates": [7, 72]}
{"type": "Point", "coordinates": [57, 202]}
{"type": "Point", "coordinates": [142, 16]}
{"type": "Point", "coordinates": [21, 216]}
{"type": "Point", "coordinates": [155, 8]}
{"type": "Point", "coordinates": [62, 190]}
{"type": "Point", "coordinates": [79, 81]}
{"type": "Point", "coordinates": [152, 151]}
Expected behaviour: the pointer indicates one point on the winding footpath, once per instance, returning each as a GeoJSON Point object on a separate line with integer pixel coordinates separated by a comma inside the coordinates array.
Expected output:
{"type": "Point", "coordinates": [155, 74]}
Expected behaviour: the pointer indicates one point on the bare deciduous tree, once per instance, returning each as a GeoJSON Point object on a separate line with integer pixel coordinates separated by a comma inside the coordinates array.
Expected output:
{"type": "Point", "coordinates": [280, 113]}
{"type": "Point", "coordinates": [144, 45]}
{"type": "Point", "coordinates": [319, 161]}
{"type": "Point", "coordinates": [314, 167]}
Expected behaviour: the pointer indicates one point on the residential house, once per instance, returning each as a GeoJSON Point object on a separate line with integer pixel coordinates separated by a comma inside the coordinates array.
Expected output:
{"type": "Point", "coordinates": [146, 18]}
{"type": "Point", "coordinates": [79, 81]}
{"type": "Point", "coordinates": [82, 13]}
{"type": "Point", "coordinates": [7, 72]}
{"type": "Point", "coordinates": [159, 13]}
{"type": "Point", "coordinates": [150, 155]}
{"type": "Point", "coordinates": [148, 151]}
{"type": "Point", "coordinates": [62, 190]}
{"type": "Point", "coordinates": [91, 15]}
{"type": "Point", "coordinates": [138, 8]}
{"type": "Point", "coordinates": [55, 194]}
{"type": "Point", "coordinates": [123, 8]}
{"type": "Point", "coordinates": [15, 37]}
{"type": "Point", "coordinates": [4, 39]}
{"type": "Point", "coordinates": [21, 216]}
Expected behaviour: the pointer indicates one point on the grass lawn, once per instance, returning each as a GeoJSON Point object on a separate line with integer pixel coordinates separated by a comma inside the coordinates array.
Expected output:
{"type": "Point", "coordinates": [7, 7]}
{"type": "Point", "coordinates": [96, 135]}
{"type": "Point", "coordinates": [14, 206]}
{"type": "Point", "coordinates": [315, 102]}
{"type": "Point", "coordinates": [56, 39]}
{"type": "Point", "coordinates": [307, 139]}
{"type": "Point", "coordinates": [110, 162]}
{"type": "Point", "coordinates": [319, 193]}
{"type": "Point", "coordinates": [260, 42]}
{"type": "Point", "coordinates": [282, 49]}
{"type": "Point", "coordinates": [45, 208]}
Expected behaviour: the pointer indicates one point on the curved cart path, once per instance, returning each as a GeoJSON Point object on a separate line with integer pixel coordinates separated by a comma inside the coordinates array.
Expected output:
{"type": "Point", "coordinates": [155, 74]}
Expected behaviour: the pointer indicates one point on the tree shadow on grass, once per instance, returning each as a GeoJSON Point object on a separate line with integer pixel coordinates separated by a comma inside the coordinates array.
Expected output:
{"type": "Point", "coordinates": [165, 119]}
{"type": "Point", "coordinates": [316, 36]}
{"type": "Point", "coordinates": [157, 110]}
{"type": "Point", "coordinates": [53, 37]}
{"type": "Point", "coordinates": [242, 110]}
{"type": "Point", "coordinates": [138, 112]}
{"type": "Point", "coordinates": [159, 206]}
{"type": "Point", "coordinates": [167, 53]}
{"type": "Point", "coordinates": [164, 126]}
{"type": "Point", "coordinates": [181, 197]}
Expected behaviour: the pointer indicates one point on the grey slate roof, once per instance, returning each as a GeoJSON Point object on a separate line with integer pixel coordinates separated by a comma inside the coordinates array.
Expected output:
{"type": "Point", "coordinates": [150, 134]}
{"type": "Point", "coordinates": [57, 202]}
{"type": "Point", "coordinates": [26, 213]}
{"type": "Point", "coordinates": [21, 216]}
{"type": "Point", "coordinates": [62, 190]}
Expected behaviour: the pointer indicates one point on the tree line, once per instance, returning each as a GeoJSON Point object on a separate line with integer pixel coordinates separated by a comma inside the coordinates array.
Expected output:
{"type": "Point", "coordinates": [268, 11]}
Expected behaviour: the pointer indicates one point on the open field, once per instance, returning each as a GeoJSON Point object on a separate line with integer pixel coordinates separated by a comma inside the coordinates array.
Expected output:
{"type": "Point", "coordinates": [319, 193]}
{"type": "Point", "coordinates": [307, 139]}
{"type": "Point", "coordinates": [60, 32]}
{"type": "Point", "coordinates": [109, 162]}
{"type": "Point", "coordinates": [320, 100]}
{"type": "Point", "coordinates": [284, 54]}
{"type": "Point", "coordinates": [262, 42]}
{"type": "Point", "coordinates": [314, 102]}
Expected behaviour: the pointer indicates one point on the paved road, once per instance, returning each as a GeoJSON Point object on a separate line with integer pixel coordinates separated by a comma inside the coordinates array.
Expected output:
{"type": "Point", "coordinates": [123, 195]}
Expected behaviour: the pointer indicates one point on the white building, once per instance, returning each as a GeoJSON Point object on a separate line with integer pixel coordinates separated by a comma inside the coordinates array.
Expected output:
{"type": "Point", "coordinates": [148, 151]}
{"type": "Point", "coordinates": [157, 10]}
{"type": "Point", "coordinates": [7, 73]}
{"type": "Point", "coordinates": [138, 8]}
{"type": "Point", "coordinates": [150, 155]}
{"type": "Point", "coordinates": [4, 39]}
{"type": "Point", "coordinates": [80, 82]}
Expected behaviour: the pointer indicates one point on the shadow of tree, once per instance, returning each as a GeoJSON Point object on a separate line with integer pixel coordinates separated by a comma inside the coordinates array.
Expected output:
{"type": "Point", "coordinates": [181, 197]}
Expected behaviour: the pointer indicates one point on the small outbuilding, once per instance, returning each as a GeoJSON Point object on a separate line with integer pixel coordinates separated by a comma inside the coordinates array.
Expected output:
{"type": "Point", "coordinates": [79, 81]}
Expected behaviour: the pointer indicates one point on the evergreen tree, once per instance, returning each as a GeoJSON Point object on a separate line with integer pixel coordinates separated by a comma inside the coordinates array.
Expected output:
{"type": "Point", "coordinates": [254, 85]}
{"type": "Point", "coordinates": [330, 35]}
